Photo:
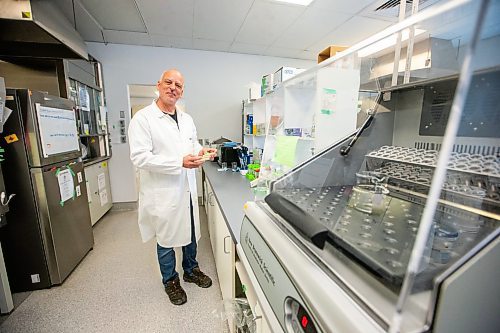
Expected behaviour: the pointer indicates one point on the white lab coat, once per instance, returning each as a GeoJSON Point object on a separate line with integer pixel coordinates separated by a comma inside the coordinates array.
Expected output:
{"type": "Point", "coordinates": [157, 148]}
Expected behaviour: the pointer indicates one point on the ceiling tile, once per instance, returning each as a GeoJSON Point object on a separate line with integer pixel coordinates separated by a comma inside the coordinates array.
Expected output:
{"type": "Point", "coordinates": [351, 32]}
{"type": "Point", "coordinates": [170, 41]}
{"type": "Point", "coordinates": [172, 18]}
{"type": "Point", "coordinates": [310, 27]}
{"type": "Point", "coordinates": [266, 21]}
{"type": "Point", "coordinates": [219, 19]}
{"type": "Point", "coordinates": [116, 14]}
{"type": "Point", "coordinates": [127, 37]}
{"type": "Point", "coordinates": [344, 6]}
{"type": "Point", "coordinates": [211, 45]}
{"type": "Point", "coordinates": [247, 48]}
{"type": "Point", "coordinates": [308, 55]}
{"type": "Point", "coordinates": [282, 52]}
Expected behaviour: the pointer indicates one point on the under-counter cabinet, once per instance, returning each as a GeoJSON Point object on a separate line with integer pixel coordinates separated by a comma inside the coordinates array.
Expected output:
{"type": "Point", "coordinates": [99, 189]}
{"type": "Point", "coordinates": [222, 246]}
{"type": "Point", "coordinates": [233, 277]}
{"type": "Point", "coordinates": [261, 325]}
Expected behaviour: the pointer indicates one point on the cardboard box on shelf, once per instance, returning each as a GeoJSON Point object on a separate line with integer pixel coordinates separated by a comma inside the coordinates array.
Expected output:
{"type": "Point", "coordinates": [330, 51]}
{"type": "Point", "coordinates": [284, 73]}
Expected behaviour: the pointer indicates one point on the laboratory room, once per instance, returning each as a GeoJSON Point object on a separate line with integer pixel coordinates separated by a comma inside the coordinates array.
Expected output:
{"type": "Point", "coordinates": [249, 166]}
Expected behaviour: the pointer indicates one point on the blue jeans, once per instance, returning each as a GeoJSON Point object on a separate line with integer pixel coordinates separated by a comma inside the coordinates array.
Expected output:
{"type": "Point", "coordinates": [166, 255]}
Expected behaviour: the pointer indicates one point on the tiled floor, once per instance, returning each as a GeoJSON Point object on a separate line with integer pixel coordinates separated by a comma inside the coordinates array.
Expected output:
{"type": "Point", "coordinates": [117, 288]}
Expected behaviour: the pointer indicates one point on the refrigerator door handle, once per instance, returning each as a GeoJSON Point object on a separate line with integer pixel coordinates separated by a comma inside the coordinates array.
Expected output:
{"type": "Point", "coordinates": [2, 198]}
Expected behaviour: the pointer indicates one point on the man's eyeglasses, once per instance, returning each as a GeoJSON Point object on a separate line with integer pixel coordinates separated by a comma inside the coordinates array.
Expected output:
{"type": "Point", "coordinates": [178, 86]}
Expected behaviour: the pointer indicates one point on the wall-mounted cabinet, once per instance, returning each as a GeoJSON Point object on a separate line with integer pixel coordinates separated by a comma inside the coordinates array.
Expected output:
{"type": "Point", "coordinates": [84, 87]}
{"type": "Point", "coordinates": [91, 120]}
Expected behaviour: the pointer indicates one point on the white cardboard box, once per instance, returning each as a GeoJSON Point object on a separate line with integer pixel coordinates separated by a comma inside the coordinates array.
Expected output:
{"type": "Point", "coordinates": [254, 91]}
{"type": "Point", "coordinates": [284, 73]}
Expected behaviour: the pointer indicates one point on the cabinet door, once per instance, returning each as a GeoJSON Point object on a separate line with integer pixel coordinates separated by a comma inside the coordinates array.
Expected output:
{"type": "Point", "coordinates": [224, 257]}
{"type": "Point", "coordinates": [99, 190]}
{"type": "Point", "coordinates": [205, 196]}
{"type": "Point", "coordinates": [92, 192]}
{"type": "Point", "coordinates": [210, 206]}
{"type": "Point", "coordinates": [224, 260]}
{"type": "Point", "coordinates": [198, 182]}
{"type": "Point", "coordinates": [105, 199]}
{"type": "Point", "coordinates": [204, 199]}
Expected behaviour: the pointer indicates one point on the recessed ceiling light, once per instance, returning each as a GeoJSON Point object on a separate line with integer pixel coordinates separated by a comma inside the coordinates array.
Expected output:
{"type": "Point", "coordinates": [297, 2]}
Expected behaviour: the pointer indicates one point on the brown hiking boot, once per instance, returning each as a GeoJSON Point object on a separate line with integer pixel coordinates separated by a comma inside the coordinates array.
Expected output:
{"type": "Point", "coordinates": [175, 292]}
{"type": "Point", "coordinates": [198, 277]}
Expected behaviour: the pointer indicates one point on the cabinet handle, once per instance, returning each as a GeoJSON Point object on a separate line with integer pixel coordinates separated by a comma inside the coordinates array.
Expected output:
{"type": "Point", "coordinates": [210, 196]}
{"type": "Point", "coordinates": [226, 252]}
{"type": "Point", "coordinates": [3, 196]}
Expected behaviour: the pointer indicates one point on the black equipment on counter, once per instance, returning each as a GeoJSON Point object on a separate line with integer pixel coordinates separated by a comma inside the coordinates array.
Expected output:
{"type": "Point", "coordinates": [228, 152]}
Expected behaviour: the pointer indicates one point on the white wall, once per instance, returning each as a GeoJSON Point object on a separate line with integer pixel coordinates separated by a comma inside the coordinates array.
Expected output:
{"type": "Point", "coordinates": [214, 88]}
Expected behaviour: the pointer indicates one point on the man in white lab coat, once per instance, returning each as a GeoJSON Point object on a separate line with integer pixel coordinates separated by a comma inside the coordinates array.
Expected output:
{"type": "Point", "coordinates": [166, 152]}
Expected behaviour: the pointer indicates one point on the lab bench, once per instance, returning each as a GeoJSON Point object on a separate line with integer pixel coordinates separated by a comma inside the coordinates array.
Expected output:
{"type": "Point", "coordinates": [224, 195]}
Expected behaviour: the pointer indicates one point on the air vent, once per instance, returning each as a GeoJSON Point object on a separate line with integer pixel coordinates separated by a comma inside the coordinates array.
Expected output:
{"type": "Point", "coordinates": [391, 4]}
{"type": "Point", "coordinates": [390, 8]}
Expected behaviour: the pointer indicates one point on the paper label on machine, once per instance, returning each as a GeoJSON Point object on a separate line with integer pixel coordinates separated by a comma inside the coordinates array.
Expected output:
{"type": "Point", "coordinates": [35, 278]}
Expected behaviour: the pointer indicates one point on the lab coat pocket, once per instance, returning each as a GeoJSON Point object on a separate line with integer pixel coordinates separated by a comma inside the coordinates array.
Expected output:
{"type": "Point", "coordinates": [165, 202]}
{"type": "Point", "coordinates": [147, 204]}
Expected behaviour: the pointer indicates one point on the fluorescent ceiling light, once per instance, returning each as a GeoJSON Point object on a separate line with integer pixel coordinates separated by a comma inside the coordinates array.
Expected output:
{"type": "Point", "coordinates": [387, 42]}
{"type": "Point", "coordinates": [297, 2]}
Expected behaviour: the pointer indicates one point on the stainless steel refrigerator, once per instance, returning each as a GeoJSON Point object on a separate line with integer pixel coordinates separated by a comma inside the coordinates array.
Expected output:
{"type": "Point", "coordinates": [48, 231]}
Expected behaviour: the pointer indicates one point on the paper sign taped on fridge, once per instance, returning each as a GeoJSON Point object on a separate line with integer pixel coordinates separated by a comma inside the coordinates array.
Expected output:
{"type": "Point", "coordinates": [101, 181]}
{"type": "Point", "coordinates": [66, 185]}
{"type": "Point", "coordinates": [58, 131]}
{"type": "Point", "coordinates": [103, 197]}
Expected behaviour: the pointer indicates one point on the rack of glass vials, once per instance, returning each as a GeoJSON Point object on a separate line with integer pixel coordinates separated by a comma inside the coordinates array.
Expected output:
{"type": "Point", "coordinates": [379, 229]}
{"type": "Point", "coordinates": [469, 176]}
